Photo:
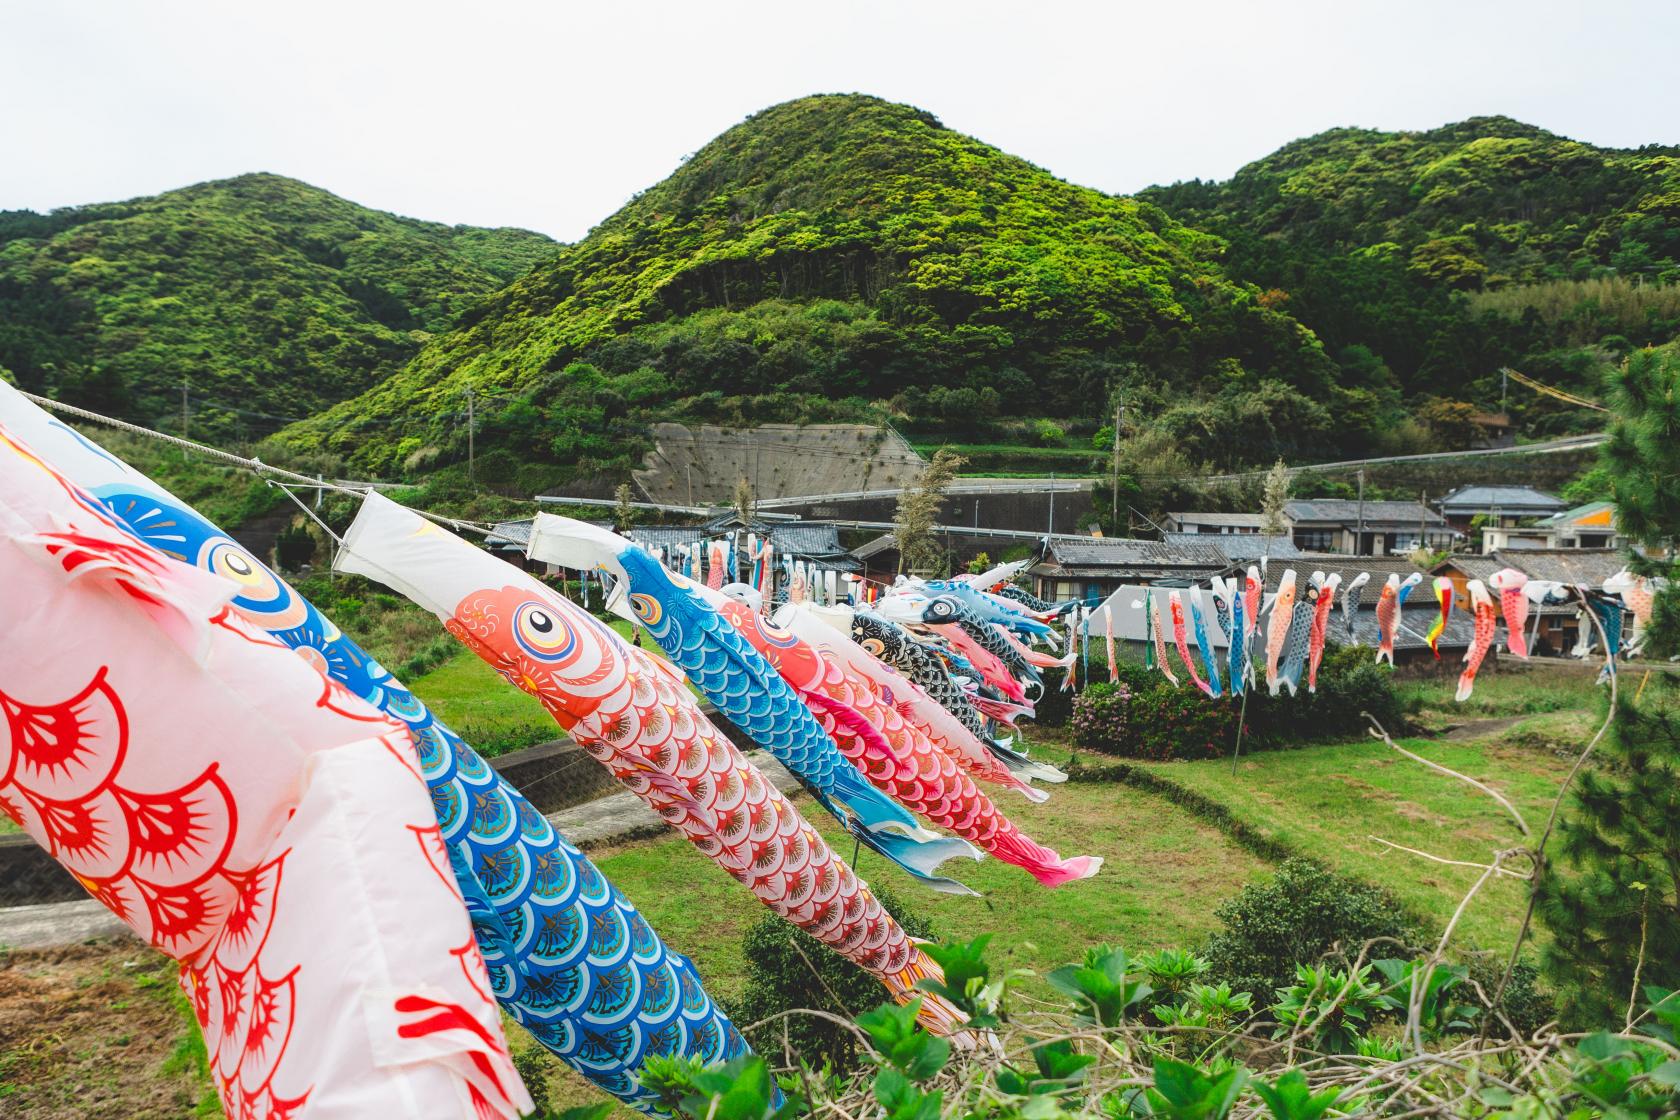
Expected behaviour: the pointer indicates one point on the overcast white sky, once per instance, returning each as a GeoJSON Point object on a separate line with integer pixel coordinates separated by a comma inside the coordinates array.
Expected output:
{"type": "Point", "coordinates": [551, 115]}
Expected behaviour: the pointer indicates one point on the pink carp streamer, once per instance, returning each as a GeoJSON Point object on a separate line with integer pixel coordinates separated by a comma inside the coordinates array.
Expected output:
{"type": "Point", "coordinates": [635, 716]}
{"type": "Point", "coordinates": [1252, 589]}
{"type": "Point", "coordinates": [1320, 626]}
{"type": "Point", "coordinates": [997, 674]}
{"type": "Point", "coordinates": [940, 726]}
{"type": "Point", "coordinates": [1108, 646]}
{"type": "Point", "coordinates": [1277, 628]}
{"type": "Point", "coordinates": [1481, 605]}
{"type": "Point", "coordinates": [714, 565]}
{"type": "Point", "coordinates": [1175, 603]}
{"type": "Point", "coordinates": [1388, 619]}
{"type": "Point", "coordinates": [1513, 604]}
{"type": "Point", "coordinates": [895, 757]}
{"type": "Point", "coordinates": [244, 814]}
{"type": "Point", "coordinates": [1160, 633]}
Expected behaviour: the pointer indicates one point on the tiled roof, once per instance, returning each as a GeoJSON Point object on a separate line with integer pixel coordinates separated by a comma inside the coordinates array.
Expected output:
{"type": "Point", "coordinates": [1120, 552]}
{"type": "Point", "coordinates": [1346, 511]}
{"type": "Point", "coordinates": [1473, 567]}
{"type": "Point", "coordinates": [1243, 547]}
{"type": "Point", "coordinates": [666, 536]}
{"type": "Point", "coordinates": [1590, 566]}
{"type": "Point", "coordinates": [1569, 516]}
{"type": "Point", "coordinates": [809, 540]}
{"type": "Point", "coordinates": [731, 519]}
{"type": "Point", "coordinates": [1349, 566]}
{"type": "Point", "coordinates": [1238, 520]}
{"type": "Point", "coordinates": [510, 534]}
{"type": "Point", "coordinates": [1506, 499]}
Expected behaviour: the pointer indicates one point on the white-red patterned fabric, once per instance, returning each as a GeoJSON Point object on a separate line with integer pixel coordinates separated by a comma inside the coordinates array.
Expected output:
{"type": "Point", "coordinates": [243, 814]}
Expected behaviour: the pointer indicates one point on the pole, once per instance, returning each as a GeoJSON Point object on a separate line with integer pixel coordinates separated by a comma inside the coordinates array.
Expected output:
{"type": "Point", "coordinates": [1242, 716]}
{"type": "Point", "coordinates": [1359, 535]}
{"type": "Point", "coordinates": [184, 421]}
{"type": "Point", "coordinates": [1114, 493]}
{"type": "Point", "coordinates": [1423, 516]}
{"type": "Point", "coordinates": [1052, 530]}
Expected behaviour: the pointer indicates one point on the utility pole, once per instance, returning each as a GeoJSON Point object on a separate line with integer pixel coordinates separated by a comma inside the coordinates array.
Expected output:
{"type": "Point", "coordinates": [471, 466]}
{"type": "Point", "coordinates": [1359, 535]}
{"type": "Point", "coordinates": [1114, 493]}
{"type": "Point", "coordinates": [1052, 530]}
{"type": "Point", "coordinates": [184, 420]}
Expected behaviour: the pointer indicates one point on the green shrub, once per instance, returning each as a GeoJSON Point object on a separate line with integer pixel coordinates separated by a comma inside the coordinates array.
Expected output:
{"type": "Point", "coordinates": [1146, 716]}
{"type": "Point", "coordinates": [1055, 707]}
{"type": "Point", "coordinates": [1350, 684]}
{"type": "Point", "coordinates": [1335, 1005]}
{"type": "Point", "coordinates": [1158, 723]}
{"type": "Point", "coordinates": [1294, 919]}
{"type": "Point", "coordinates": [788, 969]}
{"type": "Point", "coordinates": [493, 738]}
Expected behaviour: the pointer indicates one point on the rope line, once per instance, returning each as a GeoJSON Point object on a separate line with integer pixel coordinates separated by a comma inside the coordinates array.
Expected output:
{"type": "Point", "coordinates": [256, 466]}
{"type": "Point", "coordinates": [309, 513]}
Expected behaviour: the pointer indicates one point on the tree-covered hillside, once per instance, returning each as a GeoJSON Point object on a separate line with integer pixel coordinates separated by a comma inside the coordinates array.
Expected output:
{"type": "Point", "coordinates": [826, 254]}
{"type": "Point", "coordinates": [264, 293]}
{"type": "Point", "coordinates": [1441, 255]}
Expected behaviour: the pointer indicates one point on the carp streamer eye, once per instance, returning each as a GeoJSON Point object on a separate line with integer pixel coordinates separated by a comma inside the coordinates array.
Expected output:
{"type": "Point", "coordinates": [646, 608]}
{"type": "Point", "coordinates": [541, 633]}
{"type": "Point", "coordinates": [261, 594]}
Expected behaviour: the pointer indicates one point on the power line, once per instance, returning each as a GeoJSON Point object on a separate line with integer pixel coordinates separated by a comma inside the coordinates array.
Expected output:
{"type": "Point", "coordinates": [1559, 394]}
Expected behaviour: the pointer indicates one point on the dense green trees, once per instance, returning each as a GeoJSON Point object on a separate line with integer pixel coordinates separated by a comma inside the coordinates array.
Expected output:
{"type": "Point", "coordinates": [1612, 903]}
{"type": "Point", "coordinates": [1444, 254]}
{"type": "Point", "coordinates": [842, 257]}
{"type": "Point", "coordinates": [845, 246]}
{"type": "Point", "coordinates": [264, 293]}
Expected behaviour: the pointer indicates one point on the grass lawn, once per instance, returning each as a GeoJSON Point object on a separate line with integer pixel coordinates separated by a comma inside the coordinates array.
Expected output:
{"type": "Point", "coordinates": [1332, 802]}
{"type": "Point", "coordinates": [1507, 689]}
{"type": "Point", "coordinates": [487, 711]}
{"type": "Point", "coordinates": [1164, 872]}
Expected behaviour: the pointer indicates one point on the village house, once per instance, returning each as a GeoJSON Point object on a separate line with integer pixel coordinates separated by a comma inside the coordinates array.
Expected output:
{"type": "Point", "coordinates": [1225, 523]}
{"type": "Point", "coordinates": [1497, 506]}
{"type": "Point", "coordinates": [1349, 527]}
{"type": "Point", "coordinates": [1091, 568]}
{"type": "Point", "coordinates": [1588, 526]}
{"type": "Point", "coordinates": [1343, 526]}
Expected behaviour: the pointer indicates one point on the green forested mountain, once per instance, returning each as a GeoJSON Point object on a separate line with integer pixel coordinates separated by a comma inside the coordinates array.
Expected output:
{"type": "Point", "coordinates": [1441, 255]}
{"type": "Point", "coordinates": [265, 293]}
{"type": "Point", "coordinates": [843, 257]}
{"type": "Point", "coordinates": [822, 255]}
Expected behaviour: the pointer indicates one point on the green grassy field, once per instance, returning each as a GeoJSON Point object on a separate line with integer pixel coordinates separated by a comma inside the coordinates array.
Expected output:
{"type": "Point", "coordinates": [1166, 869]}
{"type": "Point", "coordinates": [1338, 803]}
